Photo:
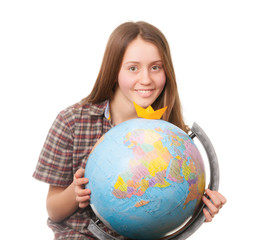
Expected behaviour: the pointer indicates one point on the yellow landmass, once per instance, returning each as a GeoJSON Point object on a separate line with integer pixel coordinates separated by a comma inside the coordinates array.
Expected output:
{"type": "Point", "coordinates": [201, 183]}
{"type": "Point", "coordinates": [157, 165]}
{"type": "Point", "coordinates": [162, 151]}
{"type": "Point", "coordinates": [158, 146]}
{"type": "Point", "coordinates": [120, 184]}
{"type": "Point", "coordinates": [144, 185]}
{"type": "Point", "coordinates": [166, 184]}
{"type": "Point", "coordinates": [186, 170]}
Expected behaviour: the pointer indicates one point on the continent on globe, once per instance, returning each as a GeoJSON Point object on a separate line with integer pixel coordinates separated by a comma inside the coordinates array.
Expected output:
{"type": "Point", "coordinates": [141, 203]}
{"type": "Point", "coordinates": [152, 165]}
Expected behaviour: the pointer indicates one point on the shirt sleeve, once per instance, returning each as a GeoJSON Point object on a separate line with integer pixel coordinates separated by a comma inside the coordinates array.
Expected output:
{"type": "Point", "coordinates": [55, 161]}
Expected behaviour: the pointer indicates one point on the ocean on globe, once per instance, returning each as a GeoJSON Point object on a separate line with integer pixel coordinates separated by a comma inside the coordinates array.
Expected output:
{"type": "Point", "coordinates": [146, 178]}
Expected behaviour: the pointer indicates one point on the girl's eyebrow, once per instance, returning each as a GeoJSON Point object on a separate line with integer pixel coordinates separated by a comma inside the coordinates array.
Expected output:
{"type": "Point", "coordinates": [137, 62]}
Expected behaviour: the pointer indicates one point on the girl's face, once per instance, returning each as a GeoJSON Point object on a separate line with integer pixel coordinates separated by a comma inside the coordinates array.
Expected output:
{"type": "Point", "coordinates": [142, 77]}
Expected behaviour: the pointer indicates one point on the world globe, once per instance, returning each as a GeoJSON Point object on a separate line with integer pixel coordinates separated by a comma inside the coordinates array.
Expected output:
{"type": "Point", "coordinates": [146, 178]}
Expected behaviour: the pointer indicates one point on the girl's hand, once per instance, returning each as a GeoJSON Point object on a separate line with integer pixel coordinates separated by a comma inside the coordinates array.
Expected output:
{"type": "Point", "coordinates": [82, 194]}
{"type": "Point", "coordinates": [214, 204]}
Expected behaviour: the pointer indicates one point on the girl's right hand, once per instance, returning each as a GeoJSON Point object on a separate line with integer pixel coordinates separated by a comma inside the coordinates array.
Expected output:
{"type": "Point", "coordinates": [82, 194]}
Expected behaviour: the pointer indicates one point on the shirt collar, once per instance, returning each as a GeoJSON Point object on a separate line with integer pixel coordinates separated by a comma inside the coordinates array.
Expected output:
{"type": "Point", "coordinates": [107, 111]}
{"type": "Point", "coordinates": [101, 108]}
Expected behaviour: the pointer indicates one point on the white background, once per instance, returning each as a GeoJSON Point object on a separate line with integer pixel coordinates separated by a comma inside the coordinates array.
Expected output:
{"type": "Point", "coordinates": [50, 54]}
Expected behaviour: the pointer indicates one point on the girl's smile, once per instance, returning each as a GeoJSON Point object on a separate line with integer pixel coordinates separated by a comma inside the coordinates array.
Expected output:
{"type": "Point", "coordinates": [144, 93]}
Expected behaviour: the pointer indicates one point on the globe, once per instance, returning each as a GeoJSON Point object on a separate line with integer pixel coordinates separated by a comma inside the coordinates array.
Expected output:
{"type": "Point", "coordinates": [146, 178]}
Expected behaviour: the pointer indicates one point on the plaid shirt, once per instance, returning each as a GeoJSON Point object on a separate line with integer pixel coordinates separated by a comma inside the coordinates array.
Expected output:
{"type": "Point", "coordinates": [67, 147]}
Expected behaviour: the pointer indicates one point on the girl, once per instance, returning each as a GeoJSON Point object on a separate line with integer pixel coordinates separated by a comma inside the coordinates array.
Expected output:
{"type": "Point", "coordinates": [137, 67]}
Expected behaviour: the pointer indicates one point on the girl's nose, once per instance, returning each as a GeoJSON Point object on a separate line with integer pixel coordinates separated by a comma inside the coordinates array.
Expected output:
{"type": "Point", "coordinates": [145, 77]}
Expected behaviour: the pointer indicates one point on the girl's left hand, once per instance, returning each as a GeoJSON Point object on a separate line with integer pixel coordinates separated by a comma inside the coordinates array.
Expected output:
{"type": "Point", "coordinates": [214, 204]}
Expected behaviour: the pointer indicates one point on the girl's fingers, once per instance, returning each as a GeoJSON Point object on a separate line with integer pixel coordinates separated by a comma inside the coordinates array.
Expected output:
{"type": "Point", "coordinates": [80, 173]}
{"type": "Point", "coordinates": [208, 217]}
{"type": "Point", "coordinates": [79, 177]}
{"type": "Point", "coordinates": [216, 198]}
{"type": "Point", "coordinates": [81, 181]}
{"type": "Point", "coordinates": [212, 208]}
{"type": "Point", "coordinates": [221, 198]}
{"type": "Point", "coordinates": [83, 192]}
{"type": "Point", "coordinates": [84, 204]}
{"type": "Point", "coordinates": [213, 198]}
{"type": "Point", "coordinates": [83, 198]}
{"type": "Point", "coordinates": [214, 204]}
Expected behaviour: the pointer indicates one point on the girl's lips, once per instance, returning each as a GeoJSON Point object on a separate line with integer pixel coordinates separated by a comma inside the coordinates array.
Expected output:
{"type": "Point", "coordinates": [144, 92]}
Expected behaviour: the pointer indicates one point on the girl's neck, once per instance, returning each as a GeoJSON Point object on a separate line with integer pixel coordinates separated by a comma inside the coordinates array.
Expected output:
{"type": "Point", "coordinates": [121, 111]}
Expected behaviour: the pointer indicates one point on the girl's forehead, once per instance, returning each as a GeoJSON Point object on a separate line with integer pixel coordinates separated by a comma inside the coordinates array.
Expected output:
{"type": "Point", "coordinates": [140, 50]}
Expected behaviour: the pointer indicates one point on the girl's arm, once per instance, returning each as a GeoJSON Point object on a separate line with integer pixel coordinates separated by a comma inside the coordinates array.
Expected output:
{"type": "Point", "coordinates": [62, 202]}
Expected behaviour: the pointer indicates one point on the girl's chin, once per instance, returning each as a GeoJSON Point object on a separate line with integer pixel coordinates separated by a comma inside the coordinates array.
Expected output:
{"type": "Point", "coordinates": [143, 104]}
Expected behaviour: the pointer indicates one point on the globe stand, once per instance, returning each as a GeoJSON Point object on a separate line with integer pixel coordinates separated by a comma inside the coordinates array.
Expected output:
{"type": "Point", "coordinates": [198, 219]}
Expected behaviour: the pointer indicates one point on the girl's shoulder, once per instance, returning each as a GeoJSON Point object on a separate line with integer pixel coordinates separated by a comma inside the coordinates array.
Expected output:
{"type": "Point", "coordinates": [81, 111]}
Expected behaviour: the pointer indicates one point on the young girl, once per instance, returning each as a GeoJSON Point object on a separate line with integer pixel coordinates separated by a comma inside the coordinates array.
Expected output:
{"type": "Point", "coordinates": [137, 67]}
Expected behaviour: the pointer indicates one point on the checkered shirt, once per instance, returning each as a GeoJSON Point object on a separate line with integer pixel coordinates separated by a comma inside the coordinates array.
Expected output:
{"type": "Point", "coordinates": [67, 147]}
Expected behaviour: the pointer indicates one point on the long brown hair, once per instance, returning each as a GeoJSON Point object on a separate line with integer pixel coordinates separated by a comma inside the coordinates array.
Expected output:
{"type": "Point", "coordinates": [107, 79]}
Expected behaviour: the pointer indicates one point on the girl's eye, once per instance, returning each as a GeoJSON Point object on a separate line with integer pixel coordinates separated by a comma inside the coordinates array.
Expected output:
{"type": "Point", "coordinates": [133, 69]}
{"type": "Point", "coordinates": [155, 68]}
